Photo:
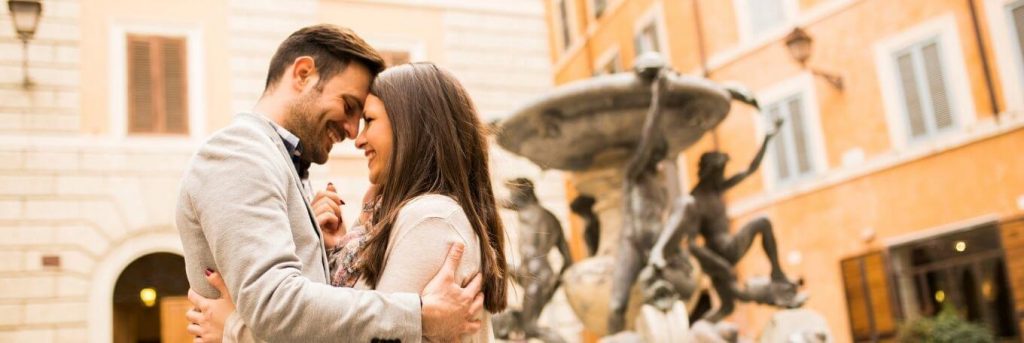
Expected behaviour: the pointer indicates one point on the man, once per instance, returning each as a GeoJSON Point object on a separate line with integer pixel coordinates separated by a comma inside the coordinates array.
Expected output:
{"type": "Point", "coordinates": [243, 208]}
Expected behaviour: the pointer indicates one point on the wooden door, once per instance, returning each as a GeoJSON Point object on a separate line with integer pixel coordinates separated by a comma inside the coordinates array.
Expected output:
{"type": "Point", "coordinates": [172, 320]}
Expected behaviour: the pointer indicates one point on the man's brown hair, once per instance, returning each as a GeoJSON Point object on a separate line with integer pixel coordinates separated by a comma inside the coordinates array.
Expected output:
{"type": "Point", "coordinates": [332, 48]}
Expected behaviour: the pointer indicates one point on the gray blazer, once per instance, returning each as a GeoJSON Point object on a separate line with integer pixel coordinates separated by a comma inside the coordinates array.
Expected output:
{"type": "Point", "coordinates": [242, 212]}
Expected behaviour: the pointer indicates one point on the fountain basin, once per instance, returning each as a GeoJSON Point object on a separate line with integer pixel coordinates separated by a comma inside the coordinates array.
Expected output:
{"type": "Point", "coordinates": [596, 123]}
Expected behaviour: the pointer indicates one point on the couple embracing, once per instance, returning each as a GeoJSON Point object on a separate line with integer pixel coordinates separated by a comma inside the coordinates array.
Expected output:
{"type": "Point", "coordinates": [269, 261]}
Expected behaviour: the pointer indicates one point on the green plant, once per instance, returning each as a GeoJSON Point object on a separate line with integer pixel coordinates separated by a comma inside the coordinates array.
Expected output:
{"type": "Point", "coordinates": [945, 327]}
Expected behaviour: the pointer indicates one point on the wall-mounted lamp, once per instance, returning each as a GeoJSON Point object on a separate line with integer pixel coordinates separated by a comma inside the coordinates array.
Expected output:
{"type": "Point", "coordinates": [148, 296]}
{"type": "Point", "coordinates": [799, 45]}
{"type": "Point", "coordinates": [25, 15]}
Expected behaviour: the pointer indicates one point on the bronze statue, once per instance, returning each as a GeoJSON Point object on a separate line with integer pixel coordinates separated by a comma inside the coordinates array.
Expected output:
{"type": "Point", "coordinates": [704, 213]}
{"type": "Point", "coordinates": [644, 199]}
{"type": "Point", "coordinates": [583, 206]}
{"type": "Point", "coordinates": [540, 231]}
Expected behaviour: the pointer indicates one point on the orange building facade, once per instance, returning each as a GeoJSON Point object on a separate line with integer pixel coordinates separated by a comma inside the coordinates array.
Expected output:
{"type": "Point", "coordinates": [896, 185]}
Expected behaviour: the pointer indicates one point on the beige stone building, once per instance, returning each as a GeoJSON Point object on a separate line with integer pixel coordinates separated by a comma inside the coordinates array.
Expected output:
{"type": "Point", "coordinates": [124, 91]}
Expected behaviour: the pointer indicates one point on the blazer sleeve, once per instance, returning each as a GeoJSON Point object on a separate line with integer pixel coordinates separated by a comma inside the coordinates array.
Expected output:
{"type": "Point", "coordinates": [240, 198]}
{"type": "Point", "coordinates": [235, 330]}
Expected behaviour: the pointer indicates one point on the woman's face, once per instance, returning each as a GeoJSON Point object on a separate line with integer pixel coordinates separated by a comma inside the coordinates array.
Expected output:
{"type": "Point", "coordinates": [376, 138]}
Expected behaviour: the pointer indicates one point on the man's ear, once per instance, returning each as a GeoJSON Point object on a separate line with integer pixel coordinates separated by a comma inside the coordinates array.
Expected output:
{"type": "Point", "coordinates": [303, 72]}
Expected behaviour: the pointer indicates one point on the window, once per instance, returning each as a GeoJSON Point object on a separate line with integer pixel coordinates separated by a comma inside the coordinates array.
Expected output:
{"type": "Point", "coordinates": [765, 14]}
{"type": "Point", "coordinates": [599, 7]}
{"type": "Point", "coordinates": [924, 90]}
{"type": "Point", "coordinates": [647, 39]}
{"type": "Point", "coordinates": [394, 57]}
{"type": "Point", "coordinates": [157, 85]}
{"type": "Point", "coordinates": [1016, 13]}
{"type": "Point", "coordinates": [791, 148]}
{"type": "Point", "coordinates": [868, 298]}
{"type": "Point", "coordinates": [563, 16]}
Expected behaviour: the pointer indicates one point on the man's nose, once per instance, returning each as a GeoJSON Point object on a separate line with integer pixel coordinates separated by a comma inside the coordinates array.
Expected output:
{"type": "Point", "coordinates": [352, 128]}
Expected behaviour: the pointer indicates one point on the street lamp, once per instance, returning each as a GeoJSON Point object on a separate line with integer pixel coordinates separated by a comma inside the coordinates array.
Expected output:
{"type": "Point", "coordinates": [799, 45]}
{"type": "Point", "coordinates": [25, 15]}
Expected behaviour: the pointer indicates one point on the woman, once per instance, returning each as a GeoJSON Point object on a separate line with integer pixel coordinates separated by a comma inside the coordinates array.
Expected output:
{"type": "Point", "coordinates": [427, 154]}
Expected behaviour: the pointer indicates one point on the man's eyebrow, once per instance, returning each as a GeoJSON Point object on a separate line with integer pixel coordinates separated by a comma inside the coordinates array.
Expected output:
{"type": "Point", "coordinates": [354, 102]}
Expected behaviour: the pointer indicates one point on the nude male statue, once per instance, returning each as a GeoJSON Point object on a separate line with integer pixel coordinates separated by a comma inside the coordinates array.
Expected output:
{"type": "Point", "coordinates": [704, 213]}
{"type": "Point", "coordinates": [644, 197]}
{"type": "Point", "coordinates": [540, 231]}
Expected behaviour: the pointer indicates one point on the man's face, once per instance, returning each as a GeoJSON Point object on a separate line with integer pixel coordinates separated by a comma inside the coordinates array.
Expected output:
{"type": "Point", "coordinates": [324, 115]}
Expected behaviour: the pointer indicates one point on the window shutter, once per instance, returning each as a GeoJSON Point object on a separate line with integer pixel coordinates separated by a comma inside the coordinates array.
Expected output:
{"type": "Point", "coordinates": [1012, 232]}
{"type": "Point", "coordinates": [765, 14]}
{"type": "Point", "coordinates": [781, 162]}
{"type": "Point", "coordinates": [393, 58]}
{"type": "Point", "coordinates": [1018, 20]}
{"type": "Point", "coordinates": [563, 10]}
{"type": "Point", "coordinates": [856, 298]}
{"type": "Point", "coordinates": [869, 303]}
{"type": "Point", "coordinates": [796, 119]}
{"type": "Point", "coordinates": [599, 6]}
{"type": "Point", "coordinates": [877, 279]}
{"type": "Point", "coordinates": [911, 97]}
{"type": "Point", "coordinates": [937, 86]}
{"type": "Point", "coordinates": [175, 77]}
{"type": "Point", "coordinates": [141, 110]}
{"type": "Point", "coordinates": [157, 85]}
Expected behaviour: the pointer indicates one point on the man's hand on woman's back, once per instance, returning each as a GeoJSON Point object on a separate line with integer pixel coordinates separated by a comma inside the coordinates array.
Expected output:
{"type": "Point", "coordinates": [449, 309]}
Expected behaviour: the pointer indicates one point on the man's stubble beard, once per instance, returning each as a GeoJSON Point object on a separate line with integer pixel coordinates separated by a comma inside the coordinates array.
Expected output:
{"type": "Point", "coordinates": [303, 121]}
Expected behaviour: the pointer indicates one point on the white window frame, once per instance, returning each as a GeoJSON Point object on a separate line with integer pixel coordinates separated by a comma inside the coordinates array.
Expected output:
{"type": "Point", "coordinates": [790, 11]}
{"type": "Point", "coordinates": [1009, 62]}
{"type": "Point", "coordinates": [801, 85]}
{"type": "Point", "coordinates": [117, 67]}
{"type": "Point", "coordinates": [654, 15]}
{"type": "Point", "coordinates": [607, 57]}
{"type": "Point", "coordinates": [943, 29]}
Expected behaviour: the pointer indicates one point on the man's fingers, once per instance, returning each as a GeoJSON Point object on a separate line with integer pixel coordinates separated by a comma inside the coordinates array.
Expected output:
{"type": "Point", "coordinates": [451, 263]}
{"type": "Point", "coordinates": [194, 330]}
{"type": "Point", "coordinates": [194, 298]}
{"type": "Point", "coordinates": [471, 327]}
{"type": "Point", "coordinates": [193, 316]}
{"type": "Point", "coordinates": [217, 282]}
{"type": "Point", "coordinates": [477, 306]}
{"type": "Point", "coordinates": [474, 286]}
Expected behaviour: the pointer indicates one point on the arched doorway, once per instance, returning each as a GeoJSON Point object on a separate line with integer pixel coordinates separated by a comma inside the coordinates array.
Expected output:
{"type": "Point", "coordinates": [149, 300]}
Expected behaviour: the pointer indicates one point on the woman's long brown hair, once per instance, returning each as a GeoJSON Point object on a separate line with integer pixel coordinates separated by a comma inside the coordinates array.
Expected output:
{"type": "Point", "coordinates": [439, 147]}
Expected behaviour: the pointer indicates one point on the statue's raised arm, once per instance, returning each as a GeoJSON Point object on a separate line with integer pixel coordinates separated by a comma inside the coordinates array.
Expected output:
{"type": "Point", "coordinates": [651, 135]}
{"type": "Point", "coordinates": [739, 177]}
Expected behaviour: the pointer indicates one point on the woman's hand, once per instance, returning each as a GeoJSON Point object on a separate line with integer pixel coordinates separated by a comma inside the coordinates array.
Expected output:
{"type": "Point", "coordinates": [368, 202]}
{"type": "Point", "coordinates": [327, 210]}
{"type": "Point", "coordinates": [207, 316]}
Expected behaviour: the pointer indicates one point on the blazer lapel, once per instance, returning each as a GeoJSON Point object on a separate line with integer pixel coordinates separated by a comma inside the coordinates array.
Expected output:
{"type": "Point", "coordinates": [269, 129]}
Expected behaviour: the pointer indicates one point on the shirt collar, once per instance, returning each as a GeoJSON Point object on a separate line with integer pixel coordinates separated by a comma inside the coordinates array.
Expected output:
{"type": "Point", "coordinates": [291, 141]}
{"type": "Point", "coordinates": [294, 147]}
